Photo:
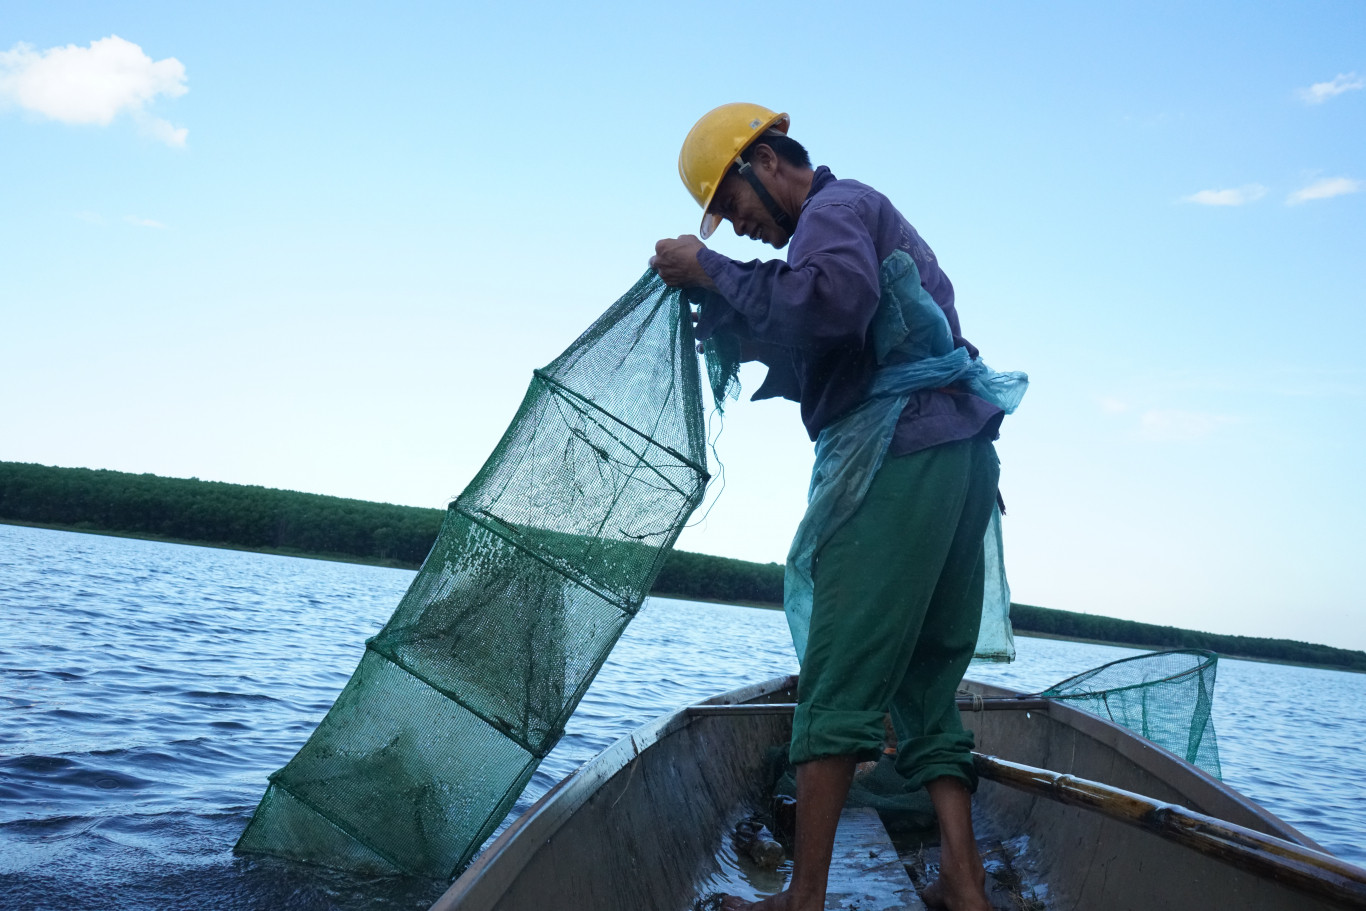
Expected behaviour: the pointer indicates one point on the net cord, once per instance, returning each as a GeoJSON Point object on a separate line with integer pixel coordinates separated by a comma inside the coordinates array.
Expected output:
{"type": "Point", "coordinates": [700, 469]}
{"type": "Point", "coordinates": [1051, 692]}
{"type": "Point", "coordinates": [501, 726]}
{"type": "Point", "coordinates": [616, 601]}
{"type": "Point", "coordinates": [345, 830]}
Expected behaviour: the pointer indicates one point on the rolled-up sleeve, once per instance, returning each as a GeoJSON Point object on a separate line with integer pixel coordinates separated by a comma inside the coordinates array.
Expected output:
{"type": "Point", "coordinates": [824, 297]}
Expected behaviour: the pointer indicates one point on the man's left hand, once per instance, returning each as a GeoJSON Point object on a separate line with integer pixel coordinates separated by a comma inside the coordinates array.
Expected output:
{"type": "Point", "coordinates": [676, 262]}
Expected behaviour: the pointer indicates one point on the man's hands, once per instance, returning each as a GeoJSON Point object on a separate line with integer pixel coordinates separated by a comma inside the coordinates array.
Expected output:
{"type": "Point", "coordinates": [676, 262]}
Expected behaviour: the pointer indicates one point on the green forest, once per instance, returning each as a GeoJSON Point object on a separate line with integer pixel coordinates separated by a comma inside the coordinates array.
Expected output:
{"type": "Point", "coordinates": [1069, 625]}
{"type": "Point", "coordinates": [312, 525]}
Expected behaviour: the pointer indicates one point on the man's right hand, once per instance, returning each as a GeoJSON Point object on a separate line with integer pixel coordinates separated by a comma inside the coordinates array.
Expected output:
{"type": "Point", "coordinates": [676, 262]}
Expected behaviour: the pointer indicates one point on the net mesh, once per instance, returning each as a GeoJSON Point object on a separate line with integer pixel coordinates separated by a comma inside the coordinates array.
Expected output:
{"type": "Point", "coordinates": [540, 564]}
{"type": "Point", "coordinates": [1166, 697]}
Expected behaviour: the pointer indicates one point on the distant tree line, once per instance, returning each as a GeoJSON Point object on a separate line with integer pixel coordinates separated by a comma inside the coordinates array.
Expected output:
{"type": "Point", "coordinates": [702, 576]}
{"type": "Point", "coordinates": [262, 518]}
{"type": "Point", "coordinates": [283, 521]}
{"type": "Point", "coordinates": [210, 512]}
{"type": "Point", "coordinates": [1029, 619]}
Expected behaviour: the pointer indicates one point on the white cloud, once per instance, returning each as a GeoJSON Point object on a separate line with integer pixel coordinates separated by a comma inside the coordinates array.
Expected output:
{"type": "Point", "coordinates": [162, 130]}
{"type": "Point", "coordinates": [93, 85]}
{"type": "Point", "coordinates": [1320, 92]}
{"type": "Point", "coordinates": [1236, 197]}
{"type": "Point", "coordinates": [142, 222]}
{"type": "Point", "coordinates": [1179, 426]}
{"type": "Point", "coordinates": [1326, 188]}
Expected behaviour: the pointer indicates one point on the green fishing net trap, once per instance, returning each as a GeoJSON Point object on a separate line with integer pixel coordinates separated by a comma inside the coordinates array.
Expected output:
{"type": "Point", "coordinates": [1167, 697]}
{"type": "Point", "coordinates": [539, 566]}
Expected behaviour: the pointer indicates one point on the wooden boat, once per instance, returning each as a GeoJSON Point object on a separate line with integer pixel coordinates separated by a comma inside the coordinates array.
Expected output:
{"type": "Point", "coordinates": [1100, 818]}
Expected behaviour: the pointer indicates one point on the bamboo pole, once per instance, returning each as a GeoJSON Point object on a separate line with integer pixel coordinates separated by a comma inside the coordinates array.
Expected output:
{"type": "Point", "coordinates": [1293, 865]}
{"type": "Point", "coordinates": [967, 703]}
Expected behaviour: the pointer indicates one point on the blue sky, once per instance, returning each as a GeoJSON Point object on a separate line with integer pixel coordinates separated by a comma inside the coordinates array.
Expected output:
{"type": "Point", "coordinates": [322, 247]}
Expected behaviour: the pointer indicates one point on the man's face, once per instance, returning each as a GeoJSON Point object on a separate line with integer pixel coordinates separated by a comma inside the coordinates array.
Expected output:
{"type": "Point", "coordinates": [737, 203]}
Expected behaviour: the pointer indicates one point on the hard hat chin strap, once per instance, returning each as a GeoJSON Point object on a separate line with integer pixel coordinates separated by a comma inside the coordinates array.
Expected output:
{"type": "Point", "coordinates": [782, 219]}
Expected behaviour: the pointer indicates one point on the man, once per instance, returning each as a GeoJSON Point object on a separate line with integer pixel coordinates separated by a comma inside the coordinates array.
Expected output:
{"type": "Point", "coordinates": [898, 583]}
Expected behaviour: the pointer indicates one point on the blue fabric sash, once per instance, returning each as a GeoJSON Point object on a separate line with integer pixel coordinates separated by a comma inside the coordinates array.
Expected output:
{"type": "Point", "coordinates": [915, 346]}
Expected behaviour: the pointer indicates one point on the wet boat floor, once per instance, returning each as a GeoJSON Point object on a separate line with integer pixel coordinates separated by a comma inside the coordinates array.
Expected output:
{"type": "Point", "coordinates": [1007, 889]}
{"type": "Point", "coordinates": [873, 871]}
{"type": "Point", "coordinates": [884, 857]}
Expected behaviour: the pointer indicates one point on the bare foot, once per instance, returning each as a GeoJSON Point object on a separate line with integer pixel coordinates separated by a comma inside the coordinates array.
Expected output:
{"type": "Point", "coordinates": [957, 893]}
{"type": "Point", "coordinates": [783, 901]}
{"type": "Point", "coordinates": [961, 885]}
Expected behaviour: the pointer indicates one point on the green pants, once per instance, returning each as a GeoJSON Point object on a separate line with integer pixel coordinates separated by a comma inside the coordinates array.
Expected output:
{"type": "Point", "coordinates": [898, 602]}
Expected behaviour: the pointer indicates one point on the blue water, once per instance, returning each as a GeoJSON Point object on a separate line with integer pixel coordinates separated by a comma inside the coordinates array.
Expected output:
{"type": "Point", "coordinates": [147, 690]}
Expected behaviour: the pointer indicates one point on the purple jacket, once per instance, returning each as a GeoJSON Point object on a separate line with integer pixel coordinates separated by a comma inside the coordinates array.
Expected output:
{"type": "Point", "coordinates": [808, 318]}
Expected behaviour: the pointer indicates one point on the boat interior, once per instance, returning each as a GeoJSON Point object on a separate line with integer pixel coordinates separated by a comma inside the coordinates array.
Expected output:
{"type": "Point", "coordinates": [1072, 812]}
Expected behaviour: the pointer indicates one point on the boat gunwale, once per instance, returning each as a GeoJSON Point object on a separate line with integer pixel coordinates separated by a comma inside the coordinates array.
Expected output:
{"type": "Point", "coordinates": [1200, 786]}
{"type": "Point", "coordinates": [499, 864]}
{"type": "Point", "coordinates": [1267, 857]}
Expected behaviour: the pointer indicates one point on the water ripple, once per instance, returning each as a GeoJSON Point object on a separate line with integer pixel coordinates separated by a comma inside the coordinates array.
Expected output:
{"type": "Point", "coordinates": [150, 689]}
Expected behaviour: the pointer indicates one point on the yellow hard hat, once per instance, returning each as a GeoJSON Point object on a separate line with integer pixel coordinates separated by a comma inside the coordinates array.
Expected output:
{"type": "Point", "coordinates": [713, 145]}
